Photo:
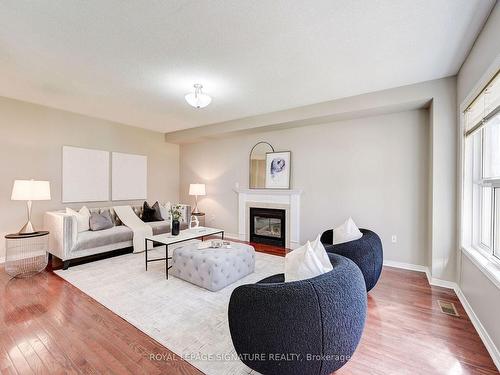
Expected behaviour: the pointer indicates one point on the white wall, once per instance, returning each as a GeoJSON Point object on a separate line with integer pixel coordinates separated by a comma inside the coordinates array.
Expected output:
{"type": "Point", "coordinates": [375, 169]}
{"type": "Point", "coordinates": [482, 294]}
{"type": "Point", "coordinates": [439, 94]}
{"type": "Point", "coordinates": [31, 140]}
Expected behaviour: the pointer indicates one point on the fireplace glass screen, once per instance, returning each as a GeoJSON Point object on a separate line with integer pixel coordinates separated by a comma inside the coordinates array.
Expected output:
{"type": "Point", "coordinates": [264, 226]}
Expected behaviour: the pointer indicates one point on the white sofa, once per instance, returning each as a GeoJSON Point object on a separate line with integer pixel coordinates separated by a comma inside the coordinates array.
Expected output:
{"type": "Point", "coordinates": [67, 244]}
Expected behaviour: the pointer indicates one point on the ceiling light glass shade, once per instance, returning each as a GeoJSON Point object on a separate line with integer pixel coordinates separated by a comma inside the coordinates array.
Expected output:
{"type": "Point", "coordinates": [197, 98]}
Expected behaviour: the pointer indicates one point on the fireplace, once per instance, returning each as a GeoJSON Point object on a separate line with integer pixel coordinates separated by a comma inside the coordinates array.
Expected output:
{"type": "Point", "coordinates": [267, 226]}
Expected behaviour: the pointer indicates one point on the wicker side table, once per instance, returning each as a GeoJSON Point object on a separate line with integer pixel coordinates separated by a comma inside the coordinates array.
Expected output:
{"type": "Point", "coordinates": [26, 254]}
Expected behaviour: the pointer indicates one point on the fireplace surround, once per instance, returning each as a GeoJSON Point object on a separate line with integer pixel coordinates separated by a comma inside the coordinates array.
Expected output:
{"type": "Point", "coordinates": [287, 200]}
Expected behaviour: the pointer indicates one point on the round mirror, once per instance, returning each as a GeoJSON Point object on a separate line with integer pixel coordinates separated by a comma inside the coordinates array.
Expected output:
{"type": "Point", "coordinates": [258, 165]}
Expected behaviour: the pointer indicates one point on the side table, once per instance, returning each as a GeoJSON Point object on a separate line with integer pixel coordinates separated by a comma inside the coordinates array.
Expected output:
{"type": "Point", "coordinates": [26, 254]}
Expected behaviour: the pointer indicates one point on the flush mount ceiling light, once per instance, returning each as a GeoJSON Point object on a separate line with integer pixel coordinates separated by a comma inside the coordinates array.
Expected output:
{"type": "Point", "coordinates": [197, 98]}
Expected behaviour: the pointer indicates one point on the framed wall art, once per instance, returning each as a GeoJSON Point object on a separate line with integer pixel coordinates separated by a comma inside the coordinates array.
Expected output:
{"type": "Point", "coordinates": [278, 170]}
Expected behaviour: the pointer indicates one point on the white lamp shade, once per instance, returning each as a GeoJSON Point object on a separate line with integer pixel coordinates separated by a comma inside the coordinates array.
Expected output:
{"type": "Point", "coordinates": [30, 190]}
{"type": "Point", "coordinates": [198, 100]}
{"type": "Point", "coordinates": [197, 189]}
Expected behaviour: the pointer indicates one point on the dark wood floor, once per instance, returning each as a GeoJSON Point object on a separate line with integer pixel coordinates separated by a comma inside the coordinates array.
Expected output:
{"type": "Point", "coordinates": [47, 326]}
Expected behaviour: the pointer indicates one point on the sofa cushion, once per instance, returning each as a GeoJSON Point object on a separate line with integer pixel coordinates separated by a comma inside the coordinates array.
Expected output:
{"type": "Point", "coordinates": [90, 239]}
{"type": "Point", "coordinates": [160, 227]}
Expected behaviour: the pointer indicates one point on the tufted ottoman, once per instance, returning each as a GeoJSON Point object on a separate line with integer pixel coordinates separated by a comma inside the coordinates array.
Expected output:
{"type": "Point", "coordinates": [213, 269]}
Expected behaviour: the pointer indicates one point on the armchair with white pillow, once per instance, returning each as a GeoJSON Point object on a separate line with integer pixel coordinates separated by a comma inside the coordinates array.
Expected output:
{"type": "Point", "coordinates": [362, 246]}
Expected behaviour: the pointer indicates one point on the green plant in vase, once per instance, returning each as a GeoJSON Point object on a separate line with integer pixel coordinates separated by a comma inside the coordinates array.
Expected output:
{"type": "Point", "coordinates": [176, 215]}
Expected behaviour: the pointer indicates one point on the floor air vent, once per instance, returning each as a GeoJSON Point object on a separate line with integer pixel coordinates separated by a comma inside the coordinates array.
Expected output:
{"type": "Point", "coordinates": [448, 308]}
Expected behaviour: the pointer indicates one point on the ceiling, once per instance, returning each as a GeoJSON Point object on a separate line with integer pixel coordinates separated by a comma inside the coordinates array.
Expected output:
{"type": "Point", "coordinates": [133, 61]}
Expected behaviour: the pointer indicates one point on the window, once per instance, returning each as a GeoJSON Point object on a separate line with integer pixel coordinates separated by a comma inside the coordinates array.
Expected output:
{"type": "Point", "coordinates": [481, 213]}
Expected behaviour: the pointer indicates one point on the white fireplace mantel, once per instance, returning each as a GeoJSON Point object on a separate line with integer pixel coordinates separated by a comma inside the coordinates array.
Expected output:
{"type": "Point", "coordinates": [289, 200]}
{"type": "Point", "coordinates": [268, 191]}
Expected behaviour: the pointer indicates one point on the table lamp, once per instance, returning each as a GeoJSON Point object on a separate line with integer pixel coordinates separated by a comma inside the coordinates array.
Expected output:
{"type": "Point", "coordinates": [30, 190]}
{"type": "Point", "coordinates": [196, 190]}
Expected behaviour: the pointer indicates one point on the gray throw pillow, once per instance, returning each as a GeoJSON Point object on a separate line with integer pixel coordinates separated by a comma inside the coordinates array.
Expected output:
{"type": "Point", "coordinates": [100, 221]}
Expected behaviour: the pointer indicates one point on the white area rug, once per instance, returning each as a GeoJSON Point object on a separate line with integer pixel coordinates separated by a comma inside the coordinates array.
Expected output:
{"type": "Point", "coordinates": [187, 319]}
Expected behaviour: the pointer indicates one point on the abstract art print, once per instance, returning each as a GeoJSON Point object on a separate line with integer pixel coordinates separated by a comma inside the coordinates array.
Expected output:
{"type": "Point", "coordinates": [278, 170]}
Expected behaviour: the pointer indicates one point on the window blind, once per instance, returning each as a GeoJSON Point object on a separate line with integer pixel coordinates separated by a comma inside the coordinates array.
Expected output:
{"type": "Point", "coordinates": [485, 106]}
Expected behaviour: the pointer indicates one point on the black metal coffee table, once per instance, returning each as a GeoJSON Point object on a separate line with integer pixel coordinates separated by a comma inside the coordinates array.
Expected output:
{"type": "Point", "coordinates": [184, 235]}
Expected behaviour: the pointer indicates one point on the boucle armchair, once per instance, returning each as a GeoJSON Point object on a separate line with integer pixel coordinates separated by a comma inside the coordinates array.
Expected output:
{"type": "Point", "coordinates": [366, 252]}
{"type": "Point", "coordinates": [309, 327]}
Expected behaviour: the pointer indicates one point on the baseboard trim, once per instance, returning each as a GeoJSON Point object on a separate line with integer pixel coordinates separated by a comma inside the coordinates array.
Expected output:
{"type": "Point", "coordinates": [406, 266]}
{"type": "Point", "coordinates": [442, 283]}
{"type": "Point", "coordinates": [483, 334]}
{"type": "Point", "coordinates": [232, 236]}
{"type": "Point", "coordinates": [419, 268]}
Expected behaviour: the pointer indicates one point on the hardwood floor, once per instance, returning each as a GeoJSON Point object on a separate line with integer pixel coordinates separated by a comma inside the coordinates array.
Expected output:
{"type": "Point", "coordinates": [406, 333]}
{"type": "Point", "coordinates": [47, 326]}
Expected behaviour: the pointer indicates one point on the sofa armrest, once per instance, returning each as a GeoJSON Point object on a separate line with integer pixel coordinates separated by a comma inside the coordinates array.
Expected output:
{"type": "Point", "coordinates": [63, 233]}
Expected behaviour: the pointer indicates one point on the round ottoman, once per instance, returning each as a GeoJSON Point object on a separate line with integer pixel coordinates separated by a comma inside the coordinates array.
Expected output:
{"type": "Point", "coordinates": [366, 252]}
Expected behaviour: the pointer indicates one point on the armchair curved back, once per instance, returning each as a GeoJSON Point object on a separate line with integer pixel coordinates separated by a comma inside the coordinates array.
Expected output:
{"type": "Point", "coordinates": [310, 326]}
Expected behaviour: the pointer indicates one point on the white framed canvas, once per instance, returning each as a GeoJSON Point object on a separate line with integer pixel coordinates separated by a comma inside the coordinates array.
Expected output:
{"type": "Point", "coordinates": [129, 176]}
{"type": "Point", "coordinates": [85, 175]}
{"type": "Point", "coordinates": [278, 170]}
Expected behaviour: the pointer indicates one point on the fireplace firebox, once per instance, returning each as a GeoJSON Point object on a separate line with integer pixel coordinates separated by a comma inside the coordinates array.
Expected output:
{"type": "Point", "coordinates": [267, 226]}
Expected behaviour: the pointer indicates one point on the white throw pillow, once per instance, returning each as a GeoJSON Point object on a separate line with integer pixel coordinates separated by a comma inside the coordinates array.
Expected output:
{"type": "Point", "coordinates": [321, 253]}
{"type": "Point", "coordinates": [303, 263]}
{"type": "Point", "coordinates": [346, 232]}
{"type": "Point", "coordinates": [82, 218]}
{"type": "Point", "coordinates": [165, 210]}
